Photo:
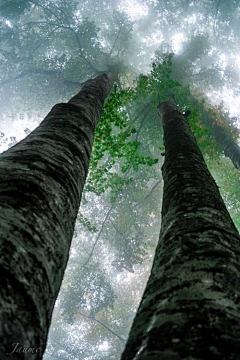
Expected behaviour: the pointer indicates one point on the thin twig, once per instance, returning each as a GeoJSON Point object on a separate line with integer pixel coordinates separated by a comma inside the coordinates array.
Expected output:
{"type": "Point", "coordinates": [103, 224]}
{"type": "Point", "coordinates": [215, 17]}
{"type": "Point", "coordinates": [141, 125]}
{"type": "Point", "coordinates": [41, 72]}
{"type": "Point", "coordinates": [104, 325]}
{"type": "Point", "coordinates": [114, 44]}
{"type": "Point", "coordinates": [149, 194]}
{"type": "Point", "coordinates": [98, 235]}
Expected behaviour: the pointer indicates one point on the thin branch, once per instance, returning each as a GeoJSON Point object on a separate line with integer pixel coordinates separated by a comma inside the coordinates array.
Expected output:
{"type": "Point", "coordinates": [114, 44]}
{"type": "Point", "coordinates": [41, 72]}
{"type": "Point", "coordinates": [149, 194]}
{"type": "Point", "coordinates": [45, 40]}
{"type": "Point", "coordinates": [63, 12]}
{"type": "Point", "coordinates": [80, 47]}
{"type": "Point", "coordinates": [98, 235]}
{"type": "Point", "coordinates": [81, 52]}
{"type": "Point", "coordinates": [103, 224]}
{"type": "Point", "coordinates": [153, 188]}
{"type": "Point", "coordinates": [15, 78]}
{"type": "Point", "coordinates": [112, 206]}
{"type": "Point", "coordinates": [104, 325]}
{"type": "Point", "coordinates": [215, 17]}
{"type": "Point", "coordinates": [31, 11]}
{"type": "Point", "coordinates": [119, 232]}
{"type": "Point", "coordinates": [141, 125]}
{"type": "Point", "coordinates": [45, 8]}
{"type": "Point", "coordinates": [141, 112]}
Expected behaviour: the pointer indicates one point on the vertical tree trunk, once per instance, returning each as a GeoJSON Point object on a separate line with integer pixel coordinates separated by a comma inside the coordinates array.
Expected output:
{"type": "Point", "coordinates": [41, 182]}
{"type": "Point", "coordinates": [191, 305]}
{"type": "Point", "coordinates": [223, 138]}
{"type": "Point", "coordinates": [221, 135]}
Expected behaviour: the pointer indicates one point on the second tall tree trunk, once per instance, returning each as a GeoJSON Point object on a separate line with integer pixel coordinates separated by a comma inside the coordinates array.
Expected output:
{"type": "Point", "coordinates": [223, 137]}
{"type": "Point", "coordinates": [41, 182]}
{"type": "Point", "coordinates": [191, 305]}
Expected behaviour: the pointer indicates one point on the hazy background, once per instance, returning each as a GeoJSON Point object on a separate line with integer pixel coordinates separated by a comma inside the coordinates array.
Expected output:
{"type": "Point", "coordinates": [48, 49]}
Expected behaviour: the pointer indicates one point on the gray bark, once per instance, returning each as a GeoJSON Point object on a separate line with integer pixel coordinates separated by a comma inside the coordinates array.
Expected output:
{"type": "Point", "coordinates": [41, 182]}
{"type": "Point", "coordinates": [191, 305]}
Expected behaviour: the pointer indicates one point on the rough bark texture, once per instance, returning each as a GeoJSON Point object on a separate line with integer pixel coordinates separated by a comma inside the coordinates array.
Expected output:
{"type": "Point", "coordinates": [191, 305]}
{"type": "Point", "coordinates": [41, 181]}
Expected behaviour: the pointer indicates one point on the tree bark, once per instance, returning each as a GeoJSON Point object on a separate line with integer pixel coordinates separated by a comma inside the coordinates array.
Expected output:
{"type": "Point", "coordinates": [191, 305]}
{"type": "Point", "coordinates": [41, 182]}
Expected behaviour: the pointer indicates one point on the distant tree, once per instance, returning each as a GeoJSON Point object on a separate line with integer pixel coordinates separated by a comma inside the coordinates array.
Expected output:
{"type": "Point", "coordinates": [197, 50]}
{"type": "Point", "coordinates": [42, 179]}
{"type": "Point", "coordinates": [190, 305]}
{"type": "Point", "coordinates": [181, 69]}
{"type": "Point", "coordinates": [221, 131]}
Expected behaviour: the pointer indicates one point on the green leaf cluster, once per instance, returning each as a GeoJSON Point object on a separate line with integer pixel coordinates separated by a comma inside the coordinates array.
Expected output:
{"type": "Point", "coordinates": [86, 223]}
{"type": "Point", "coordinates": [114, 146]}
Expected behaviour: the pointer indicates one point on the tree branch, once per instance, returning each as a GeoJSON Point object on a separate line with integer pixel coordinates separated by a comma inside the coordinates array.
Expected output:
{"type": "Point", "coordinates": [102, 226]}
{"type": "Point", "coordinates": [80, 47]}
{"type": "Point", "coordinates": [104, 325]}
{"type": "Point", "coordinates": [141, 125]}
{"type": "Point", "coordinates": [41, 72]}
{"type": "Point", "coordinates": [114, 44]}
{"type": "Point", "coordinates": [215, 17]}
{"type": "Point", "coordinates": [149, 194]}
{"type": "Point", "coordinates": [98, 235]}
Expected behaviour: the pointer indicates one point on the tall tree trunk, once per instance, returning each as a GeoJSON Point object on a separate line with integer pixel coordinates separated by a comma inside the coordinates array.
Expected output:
{"type": "Point", "coordinates": [191, 305]}
{"type": "Point", "coordinates": [222, 135]}
{"type": "Point", "coordinates": [223, 138]}
{"type": "Point", "coordinates": [41, 182]}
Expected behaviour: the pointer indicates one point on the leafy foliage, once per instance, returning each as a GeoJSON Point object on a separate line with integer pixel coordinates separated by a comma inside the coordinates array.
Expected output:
{"type": "Point", "coordinates": [114, 146]}
{"type": "Point", "coordinates": [48, 49]}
